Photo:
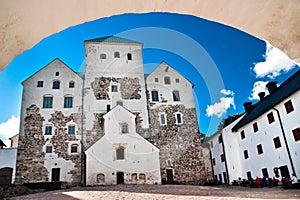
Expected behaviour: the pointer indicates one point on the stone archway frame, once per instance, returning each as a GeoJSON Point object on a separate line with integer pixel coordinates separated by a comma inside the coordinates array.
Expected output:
{"type": "Point", "coordinates": [24, 23]}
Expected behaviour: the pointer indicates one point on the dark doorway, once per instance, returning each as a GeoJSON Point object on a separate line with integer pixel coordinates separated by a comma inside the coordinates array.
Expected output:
{"type": "Point", "coordinates": [169, 175]}
{"type": "Point", "coordinates": [284, 171]}
{"type": "Point", "coordinates": [120, 178]}
{"type": "Point", "coordinates": [55, 174]}
{"type": "Point", "coordinates": [225, 178]}
{"type": "Point", "coordinates": [6, 176]}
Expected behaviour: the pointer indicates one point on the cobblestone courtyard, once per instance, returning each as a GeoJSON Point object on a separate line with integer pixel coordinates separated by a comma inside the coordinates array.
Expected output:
{"type": "Point", "coordinates": [165, 192]}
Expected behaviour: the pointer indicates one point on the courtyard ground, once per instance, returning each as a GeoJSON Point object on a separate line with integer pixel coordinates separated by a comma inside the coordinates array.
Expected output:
{"type": "Point", "coordinates": [165, 192]}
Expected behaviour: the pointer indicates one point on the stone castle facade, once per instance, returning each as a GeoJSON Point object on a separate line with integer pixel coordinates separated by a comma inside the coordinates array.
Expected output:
{"type": "Point", "coordinates": [110, 124]}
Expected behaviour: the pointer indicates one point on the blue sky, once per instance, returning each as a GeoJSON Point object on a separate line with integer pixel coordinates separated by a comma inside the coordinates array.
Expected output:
{"type": "Point", "coordinates": [227, 66]}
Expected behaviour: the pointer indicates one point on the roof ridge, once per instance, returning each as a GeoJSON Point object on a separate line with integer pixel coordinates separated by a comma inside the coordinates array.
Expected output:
{"type": "Point", "coordinates": [112, 39]}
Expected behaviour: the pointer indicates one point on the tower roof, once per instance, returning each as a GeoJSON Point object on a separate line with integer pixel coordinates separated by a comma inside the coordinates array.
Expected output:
{"type": "Point", "coordinates": [112, 39]}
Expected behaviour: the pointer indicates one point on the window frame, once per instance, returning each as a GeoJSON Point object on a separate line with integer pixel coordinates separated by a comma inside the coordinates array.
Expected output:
{"type": "Point", "coordinates": [116, 54]}
{"type": "Point", "coordinates": [289, 106]}
{"type": "Point", "coordinates": [156, 79]}
{"type": "Point", "coordinates": [47, 101]}
{"type": "Point", "coordinates": [71, 84]}
{"type": "Point", "coordinates": [49, 149]}
{"type": "Point", "coordinates": [114, 88]}
{"type": "Point", "coordinates": [255, 127]}
{"type": "Point", "coordinates": [259, 149]}
{"type": "Point", "coordinates": [296, 134]}
{"type": "Point", "coordinates": [222, 157]}
{"type": "Point", "coordinates": [103, 56]}
{"type": "Point", "coordinates": [176, 117]}
{"type": "Point", "coordinates": [124, 128]}
{"type": "Point", "coordinates": [277, 142]}
{"type": "Point", "coordinates": [72, 148]}
{"type": "Point", "coordinates": [40, 84]}
{"type": "Point", "coordinates": [270, 117]}
{"type": "Point", "coordinates": [167, 80]}
{"type": "Point", "coordinates": [122, 151]}
{"type": "Point", "coordinates": [176, 96]}
{"type": "Point", "coordinates": [162, 116]}
{"type": "Point", "coordinates": [129, 56]}
{"type": "Point", "coordinates": [68, 102]}
{"type": "Point", "coordinates": [246, 154]}
{"type": "Point", "coordinates": [243, 135]}
{"type": "Point", "coordinates": [47, 128]}
{"type": "Point", "coordinates": [154, 98]}
{"type": "Point", "coordinates": [56, 85]}
{"type": "Point", "coordinates": [71, 129]}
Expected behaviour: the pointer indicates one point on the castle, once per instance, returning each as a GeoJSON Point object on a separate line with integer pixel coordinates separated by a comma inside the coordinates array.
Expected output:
{"type": "Point", "coordinates": [111, 124]}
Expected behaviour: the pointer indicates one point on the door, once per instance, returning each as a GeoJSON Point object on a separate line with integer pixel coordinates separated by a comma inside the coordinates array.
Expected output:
{"type": "Point", "coordinates": [284, 171]}
{"type": "Point", "coordinates": [120, 178]}
{"type": "Point", "coordinates": [55, 174]}
{"type": "Point", "coordinates": [169, 175]}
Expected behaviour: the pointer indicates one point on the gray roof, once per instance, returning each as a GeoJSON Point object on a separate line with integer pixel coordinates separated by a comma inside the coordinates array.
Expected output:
{"type": "Point", "coordinates": [112, 39]}
{"type": "Point", "coordinates": [286, 89]}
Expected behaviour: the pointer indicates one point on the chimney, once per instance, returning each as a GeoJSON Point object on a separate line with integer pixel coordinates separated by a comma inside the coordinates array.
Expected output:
{"type": "Point", "coordinates": [272, 86]}
{"type": "Point", "coordinates": [261, 95]}
{"type": "Point", "coordinates": [247, 106]}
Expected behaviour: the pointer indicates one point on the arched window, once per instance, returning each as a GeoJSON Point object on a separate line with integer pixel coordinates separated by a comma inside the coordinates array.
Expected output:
{"type": "Point", "coordinates": [120, 153]}
{"type": "Point", "coordinates": [56, 85]}
{"type": "Point", "coordinates": [117, 54]}
{"type": "Point", "coordinates": [176, 96]}
{"type": "Point", "coordinates": [102, 56]}
{"type": "Point", "coordinates": [167, 80]}
{"type": "Point", "coordinates": [129, 56]}
{"type": "Point", "coordinates": [154, 95]}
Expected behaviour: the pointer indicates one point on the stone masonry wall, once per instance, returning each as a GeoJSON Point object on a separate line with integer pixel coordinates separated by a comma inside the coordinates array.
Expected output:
{"type": "Point", "coordinates": [30, 156]}
{"type": "Point", "coordinates": [96, 133]}
{"type": "Point", "coordinates": [60, 141]}
{"type": "Point", "coordinates": [179, 144]}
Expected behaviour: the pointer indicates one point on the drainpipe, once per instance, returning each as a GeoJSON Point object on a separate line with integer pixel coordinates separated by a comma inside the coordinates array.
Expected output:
{"type": "Point", "coordinates": [285, 141]}
{"type": "Point", "coordinates": [225, 160]}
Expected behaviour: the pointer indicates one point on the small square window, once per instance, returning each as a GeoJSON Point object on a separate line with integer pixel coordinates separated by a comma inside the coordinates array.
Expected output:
{"type": "Point", "coordinates": [167, 80]}
{"type": "Point", "coordinates": [48, 130]}
{"type": "Point", "coordinates": [124, 128]}
{"type": "Point", "coordinates": [120, 103]}
{"type": "Point", "coordinates": [40, 84]}
{"type": "Point", "coordinates": [255, 127]}
{"type": "Point", "coordinates": [277, 142]}
{"type": "Point", "coordinates": [289, 106]}
{"type": "Point", "coordinates": [296, 134]}
{"type": "Point", "coordinates": [71, 130]}
{"type": "Point", "coordinates": [56, 73]}
{"type": "Point", "coordinates": [177, 80]}
{"type": "Point", "coordinates": [259, 149]}
{"type": "Point", "coordinates": [246, 156]}
{"type": "Point", "coordinates": [48, 149]}
{"type": "Point", "coordinates": [156, 80]}
{"type": "Point", "coordinates": [114, 88]}
{"type": "Point", "coordinates": [74, 148]}
{"type": "Point", "coordinates": [270, 117]}
{"type": "Point", "coordinates": [71, 84]}
{"type": "Point", "coordinates": [243, 134]}
{"type": "Point", "coordinates": [56, 85]}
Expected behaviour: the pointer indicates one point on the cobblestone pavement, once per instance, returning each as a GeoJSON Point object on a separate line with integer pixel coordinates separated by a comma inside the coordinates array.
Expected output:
{"type": "Point", "coordinates": [165, 192]}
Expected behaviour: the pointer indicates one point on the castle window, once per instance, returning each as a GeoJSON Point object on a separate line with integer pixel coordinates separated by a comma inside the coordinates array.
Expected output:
{"type": "Point", "coordinates": [156, 80]}
{"type": "Point", "coordinates": [214, 161]}
{"type": "Point", "coordinates": [120, 153]}
{"type": "Point", "coordinates": [120, 103]}
{"type": "Point", "coordinates": [56, 73]}
{"type": "Point", "coordinates": [177, 80]}
{"type": "Point", "coordinates": [289, 107]}
{"type": "Point", "coordinates": [48, 149]}
{"type": "Point", "coordinates": [246, 156]}
{"type": "Point", "coordinates": [74, 148]}
{"type": "Point", "coordinates": [220, 139]}
{"type": "Point", "coordinates": [129, 56]}
{"type": "Point", "coordinates": [71, 130]}
{"type": "Point", "coordinates": [277, 143]}
{"type": "Point", "coordinates": [68, 102]}
{"type": "Point", "coordinates": [270, 117]}
{"type": "Point", "coordinates": [154, 95]}
{"type": "Point", "coordinates": [259, 149]}
{"type": "Point", "coordinates": [47, 101]}
{"type": "Point", "coordinates": [40, 84]}
{"type": "Point", "coordinates": [117, 54]}
{"type": "Point", "coordinates": [114, 88]}
{"type": "Point", "coordinates": [102, 56]}
{"type": "Point", "coordinates": [243, 134]}
{"type": "Point", "coordinates": [222, 158]}
{"type": "Point", "coordinates": [71, 84]}
{"type": "Point", "coordinates": [56, 85]}
{"type": "Point", "coordinates": [124, 128]}
{"type": "Point", "coordinates": [178, 118]}
{"type": "Point", "coordinates": [176, 96]}
{"type": "Point", "coordinates": [163, 119]}
{"type": "Point", "coordinates": [48, 130]}
{"type": "Point", "coordinates": [255, 127]}
{"type": "Point", "coordinates": [265, 172]}
{"type": "Point", "coordinates": [296, 133]}
{"type": "Point", "coordinates": [167, 80]}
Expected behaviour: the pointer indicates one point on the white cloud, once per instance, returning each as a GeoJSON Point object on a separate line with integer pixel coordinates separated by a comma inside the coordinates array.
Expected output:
{"type": "Point", "coordinates": [259, 86]}
{"type": "Point", "coordinates": [221, 107]}
{"type": "Point", "coordinates": [9, 129]}
{"type": "Point", "coordinates": [276, 62]}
